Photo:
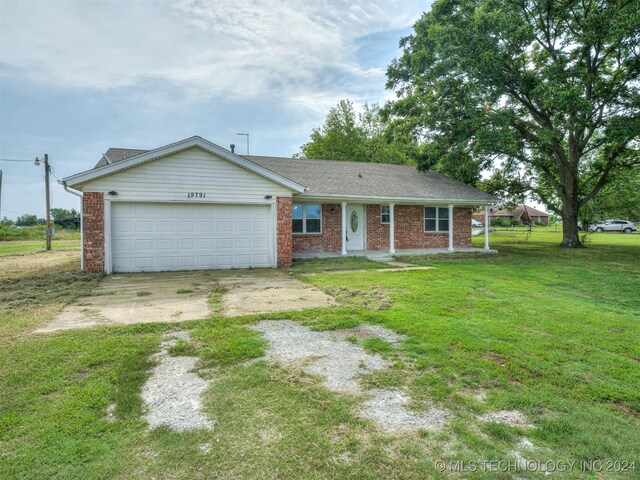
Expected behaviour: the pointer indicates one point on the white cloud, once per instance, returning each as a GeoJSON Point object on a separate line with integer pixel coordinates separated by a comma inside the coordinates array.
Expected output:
{"type": "Point", "coordinates": [300, 52]}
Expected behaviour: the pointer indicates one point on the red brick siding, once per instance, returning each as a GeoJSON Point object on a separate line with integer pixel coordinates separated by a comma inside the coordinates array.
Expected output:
{"type": "Point", "coordinates": [330, 240]}
{"type": "Point", "coordinates": [93, 231]}
{"type": "Point", "coordinates": [377, 232]}
{"type": "Point", "coordinates": [409, 229]}
{"type": "Point", "coordinates": [283, 205]}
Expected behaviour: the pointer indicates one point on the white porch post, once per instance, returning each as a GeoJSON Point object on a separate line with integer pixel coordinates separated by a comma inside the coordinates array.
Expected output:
{"type": "Point", "coordinates": [392, 234]}
{"type": "Point", "coordinates": [344, 228]}
{"type": "Point", "coordinates": [450, 228]}
{"type": "Point", "coordinates": [486, 227]}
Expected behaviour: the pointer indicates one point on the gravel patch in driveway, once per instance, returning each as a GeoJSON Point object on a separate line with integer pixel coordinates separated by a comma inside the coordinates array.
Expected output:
{"type": "Point", "coordinates": [173, 392]}
{"type": "Point", "coordinates": [341, 363]}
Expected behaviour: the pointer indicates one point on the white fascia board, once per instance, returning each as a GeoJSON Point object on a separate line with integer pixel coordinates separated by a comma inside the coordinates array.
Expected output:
{"type": "Point", "coordinates": [398, 200]}
{"type": "Point", "coordinates": [172, 148]}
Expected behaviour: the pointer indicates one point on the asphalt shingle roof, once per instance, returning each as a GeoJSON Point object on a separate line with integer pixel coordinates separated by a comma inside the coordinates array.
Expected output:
{"type": "Point", "coordinates": [116, 154]}
{"type": "Point", "coordinates": [332, 177]}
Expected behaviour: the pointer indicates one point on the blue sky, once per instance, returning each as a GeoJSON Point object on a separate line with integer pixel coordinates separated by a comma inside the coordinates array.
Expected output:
{"type": "Point", "coordinates": [79, 77]}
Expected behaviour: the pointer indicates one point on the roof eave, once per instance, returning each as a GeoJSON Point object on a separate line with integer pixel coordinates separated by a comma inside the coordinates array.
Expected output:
{"type": "Point", "coordinates": [383, 199]}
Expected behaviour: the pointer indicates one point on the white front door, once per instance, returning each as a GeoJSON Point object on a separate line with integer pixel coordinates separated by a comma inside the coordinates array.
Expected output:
{"type": "Point", "coordinates": [355, 227]}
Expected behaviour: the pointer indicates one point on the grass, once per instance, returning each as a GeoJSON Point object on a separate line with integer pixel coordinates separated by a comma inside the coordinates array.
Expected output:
{"type": "Point", "coordinates": [320, 265]}
{"type": "Point", "coordinates": [549, 332]}
{"type": "Point", "coordinates": [32, 246]}
{"type": "Point", "coordinates": [36, 233]}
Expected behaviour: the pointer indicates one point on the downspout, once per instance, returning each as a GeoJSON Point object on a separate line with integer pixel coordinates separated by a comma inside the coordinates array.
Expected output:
{"type": "Point", "coordinates": [77, 194]}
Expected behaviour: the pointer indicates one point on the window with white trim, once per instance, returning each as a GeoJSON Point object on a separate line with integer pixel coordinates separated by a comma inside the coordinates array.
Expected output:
{"type": "Point", "coordinates": [306, 218]}
{"type": "Point", "coordinates": [385, 214]}
{"type": "Point", "coordinates": [436, 219]}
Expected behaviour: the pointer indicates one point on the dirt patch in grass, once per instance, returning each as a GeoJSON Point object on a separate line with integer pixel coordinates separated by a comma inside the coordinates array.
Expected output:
{"type": "Point", "coordinates": [341, 364]}
{"type": "Point", "coordinates": [376, 298]}
{"type": "Point", "coordinates": [507, 417]}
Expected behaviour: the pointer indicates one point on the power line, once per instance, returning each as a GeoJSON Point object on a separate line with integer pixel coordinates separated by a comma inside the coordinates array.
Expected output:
{"type": "Point", "coordinates": [13, 160]}
{"type": "Point", "coordinates": [20, 188]}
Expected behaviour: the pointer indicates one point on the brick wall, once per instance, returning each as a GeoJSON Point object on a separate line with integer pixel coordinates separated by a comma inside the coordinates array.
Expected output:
{"type": "Point", "coordinates": [377, 233]}
{"type": "Point", "coordinates": [409, 229]}
{"type": "Point", "coordinates": [330, 240]}
{"type": "Point", "coordinates": [284, 205]}
{"type": "Point", "coordinates": [93, 231]}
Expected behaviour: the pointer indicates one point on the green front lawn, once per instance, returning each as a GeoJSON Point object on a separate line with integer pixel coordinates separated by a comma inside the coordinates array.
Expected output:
{"type": "Point", "coordinates": [18, 247]}
{"type": "Point", "coordinates": [554, 334]}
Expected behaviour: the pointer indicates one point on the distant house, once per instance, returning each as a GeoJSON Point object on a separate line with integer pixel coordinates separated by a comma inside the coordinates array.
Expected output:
{"type": "Point", "coordinates": [523, 214]}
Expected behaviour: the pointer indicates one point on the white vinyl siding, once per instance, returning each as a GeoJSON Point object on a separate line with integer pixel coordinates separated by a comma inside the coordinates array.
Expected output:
{"type": "Point", "coordinates": [174, 177]}
{"type": "Point", "coordinates": [170, 236]}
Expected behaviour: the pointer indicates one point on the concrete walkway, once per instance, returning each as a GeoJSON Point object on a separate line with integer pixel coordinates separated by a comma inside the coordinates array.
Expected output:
{"type": "Point", "coordinates": [385, 256]}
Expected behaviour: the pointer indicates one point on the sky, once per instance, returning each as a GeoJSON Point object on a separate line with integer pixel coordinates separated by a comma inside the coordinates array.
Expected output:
{"type": "Point", "coordinates": [78, 77]}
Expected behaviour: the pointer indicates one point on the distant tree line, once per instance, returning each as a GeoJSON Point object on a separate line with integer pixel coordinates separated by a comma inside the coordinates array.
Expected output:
{"type": "Point", "coordinates": [60, 217]}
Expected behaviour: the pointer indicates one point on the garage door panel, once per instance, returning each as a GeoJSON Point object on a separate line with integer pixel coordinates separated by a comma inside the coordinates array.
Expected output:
{"type": "Point", "coordinates": [186, 261]}
{"type": "Point", "coordinates": [186, 243]}
{"type": "Point", "coordinates": [152, 237]}
{"type": "Point", "coordinates": [144, 262]}
{"type": "Point", "coordinates": [206, 226]}
{"type": "Point", "coordinates": [186, 227]}
{"type": "Point", "coordinates": [166, 262]}
{"type": "Point", "coordinates": [165, 226]}
{"type": "Point", "coordinates": [125, 226]}
{"type": "Point", "coordinates": [206, 243]}
{"type": "Point", "coordinates": [244, 242]}
{"type": "Point", "coordinates": [146, 244]}
{"type": "Point", "coordinates": [143, 227]}
{"type": "Point", "coordinates": [261, 226]}
{"type": "Point", "coordinates": [261, 243]}
{"type": "Point", "coordinates": [144, 209]}
{"type": "Point", "coordinates": [165, 244]}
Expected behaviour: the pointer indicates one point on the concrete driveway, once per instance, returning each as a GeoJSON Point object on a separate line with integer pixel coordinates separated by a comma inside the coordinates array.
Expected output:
{"type": "Point", "coordinates": [178, 296]}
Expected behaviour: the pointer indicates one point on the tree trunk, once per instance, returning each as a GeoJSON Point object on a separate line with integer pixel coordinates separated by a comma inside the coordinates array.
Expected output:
{"type": "Point", "coordinates": [569, 195]}
{"type": "Point", "coordinates": [570, 232]}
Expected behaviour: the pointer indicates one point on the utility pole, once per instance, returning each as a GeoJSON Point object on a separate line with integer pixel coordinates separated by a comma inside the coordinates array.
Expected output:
{"type": "Point", "coordinates": [48, 203]}
{"type": "Point", "coordinates": [0, 195]}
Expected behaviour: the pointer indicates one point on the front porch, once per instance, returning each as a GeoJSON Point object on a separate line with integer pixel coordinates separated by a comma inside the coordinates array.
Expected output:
{"type": "Point", "coordinates": [383, 255]}
{"type": "Point", "coordinates": [379, 230]}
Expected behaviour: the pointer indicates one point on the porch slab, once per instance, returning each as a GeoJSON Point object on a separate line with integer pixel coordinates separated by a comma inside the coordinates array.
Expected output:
{"type": "Point", "coordinates": [385, 256]}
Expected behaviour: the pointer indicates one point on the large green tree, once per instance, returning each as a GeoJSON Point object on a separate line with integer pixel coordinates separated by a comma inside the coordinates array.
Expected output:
{"type": "Point", "coordinates": [620, 198]}
{"type": "Point", "coordinates": [544, 92]}
{"type": "Point", "coordinates": [364, 137]}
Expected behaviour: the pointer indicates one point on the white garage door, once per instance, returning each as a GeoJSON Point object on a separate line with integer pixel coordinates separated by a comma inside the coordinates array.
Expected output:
{"type": "Point", "coordinates": [147, 237]}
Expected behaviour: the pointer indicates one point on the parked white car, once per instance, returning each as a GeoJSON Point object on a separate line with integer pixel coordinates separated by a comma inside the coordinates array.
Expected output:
{"type": "Point", "coordinates": [613, 226]}
{"type": "Point", "coordinates": [476, 224]}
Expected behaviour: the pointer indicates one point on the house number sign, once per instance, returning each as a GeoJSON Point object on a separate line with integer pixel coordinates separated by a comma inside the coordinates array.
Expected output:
{"type": "Point", "coordinates": [196, 195]}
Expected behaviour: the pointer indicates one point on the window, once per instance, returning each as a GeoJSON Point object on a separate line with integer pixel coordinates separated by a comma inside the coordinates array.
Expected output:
{"type": "Point", "coordinates": [306, 218]}
{"type": "Point", "coordinates": [385, 214]}
{"type": "Point", "coordinates": [436, 219]}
